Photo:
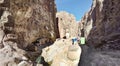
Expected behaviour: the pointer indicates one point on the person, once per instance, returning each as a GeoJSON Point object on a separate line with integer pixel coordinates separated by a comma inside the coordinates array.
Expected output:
{"type": "Point", "coordinates": [67, 35]}
{"type": "Point", "coordinates": [74, 40]}
{"type": "Point", "coordinates": [82, 40]}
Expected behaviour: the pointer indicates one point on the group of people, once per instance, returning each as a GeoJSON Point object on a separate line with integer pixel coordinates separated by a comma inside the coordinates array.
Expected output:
{"type": "Point", "coordinates": [76, 40]}
{"type": "Point", "coordinates": [81, 40]}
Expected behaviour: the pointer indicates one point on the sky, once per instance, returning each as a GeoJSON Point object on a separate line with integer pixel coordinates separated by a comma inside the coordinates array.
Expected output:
{"type": "Point", "coordinates": [76, 7]}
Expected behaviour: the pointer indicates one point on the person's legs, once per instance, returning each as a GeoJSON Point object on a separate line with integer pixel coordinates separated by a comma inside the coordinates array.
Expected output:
{"type": "Point", "coordinates": [72, 41]}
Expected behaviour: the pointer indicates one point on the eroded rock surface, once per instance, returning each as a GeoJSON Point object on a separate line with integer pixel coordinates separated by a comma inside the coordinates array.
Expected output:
{"type": "Point", "coordinates": [102, 25]}
{"type": "Point", "coordinates": [62, 53]}
{"type": "Point", "coordinates": [29, 19]}
{"type": "Point", "coordinates": [101, 28]}
{"type": "Point", "coordinates": [22, 22]}
{"type": "Point", "coordinates": [93, 57]}
{"type": "Point", "coordinates": [67, 24]}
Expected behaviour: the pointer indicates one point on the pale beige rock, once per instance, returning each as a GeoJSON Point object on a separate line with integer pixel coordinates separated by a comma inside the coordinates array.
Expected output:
{"type": "Point", "coordinates": [1, 1]}
{"type": "Point", "coordinates": [12, 63]}
{"type": "Point", "coordinates": [4, 17]}
{"type": "Point", "coordinates": [39, 65]}
{"type": "Point", "coordinates": [67, 24]}
{"type": "Point", "coordinates": [3, 20]}
{"type": "Point", "coordinates": [7, 56]}
{"type": "Point", "coordinates": [24, 63]}
{"type": "Point", "coordinates": [62, 53]}
{"type": "Point", "coordinates": [1, 35]}
{"type": "Point", "coordinates": [74, 52]}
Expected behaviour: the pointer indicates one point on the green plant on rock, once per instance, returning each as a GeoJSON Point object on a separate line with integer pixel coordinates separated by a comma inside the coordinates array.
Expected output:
{"type": "Point", "coordinates": [38, 60]}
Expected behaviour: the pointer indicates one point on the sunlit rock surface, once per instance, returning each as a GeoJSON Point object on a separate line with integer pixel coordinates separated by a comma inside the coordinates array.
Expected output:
{"type": "Point", "coordinates": [1, 1]}
{"type": "Point", "coordinates": [10, 54]}
{"type": "Point", "coordinates": [66, 24]}
{"type": "Point", "coordinates": [62, 53]}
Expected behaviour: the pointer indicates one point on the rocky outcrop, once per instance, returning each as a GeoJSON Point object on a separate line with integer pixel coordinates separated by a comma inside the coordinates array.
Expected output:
{"type": "Point", "coordinates": [66, 24]}
{"type": "Point", "coordinates": [22, 22]}
{"type": "Point", "coordinates": [56, 56]}
{"type": "Point", "coordinates": [102, 25]}
{"type": "Point", "coordinates": [101, 28]}
{"type": "Point", "coordinates": [29, 20]}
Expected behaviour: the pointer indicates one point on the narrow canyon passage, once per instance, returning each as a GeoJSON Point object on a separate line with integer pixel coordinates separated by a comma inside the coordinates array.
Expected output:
{"type": "Point", "coordinates": [35, 33]}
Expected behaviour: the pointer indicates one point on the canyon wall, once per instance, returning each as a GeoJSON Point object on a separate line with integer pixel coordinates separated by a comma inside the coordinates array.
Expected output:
{"type": "Point", "coordinates": [66, 24]}
{"type": "Point", "coordinates": [101, 28]}
{"type": "Point", "coordinates": [29, 20]}
{"type": "Point", "coordinates": [22, 22]}
{"type": "Point", "coordinates": [101, 24]}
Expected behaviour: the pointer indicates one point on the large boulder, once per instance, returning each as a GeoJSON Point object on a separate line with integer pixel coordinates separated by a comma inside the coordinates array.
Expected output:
{"type": "Point", "coordinates": [62, 53]}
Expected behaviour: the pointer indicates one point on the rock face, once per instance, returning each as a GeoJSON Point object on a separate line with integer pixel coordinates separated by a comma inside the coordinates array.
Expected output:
{"type": "Point", "coordinates": [29, 19]}
{"type": "Point", "coordinates": [101, 27]}
{"type": "Point", "coordinates": [66, 24]}
{"type": "Point", "coordinates": [101, 24]}
{"type": "Point", "coordinates": [21, 23]}
{"type": "Point", "coordinates": [91, 57]}
{"type": "Point", "coordinates": [56, 56]}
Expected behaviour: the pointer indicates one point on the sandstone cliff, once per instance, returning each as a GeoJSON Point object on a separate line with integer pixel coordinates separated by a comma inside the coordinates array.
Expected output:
{"type": "Point", "coordinates": [66, 24]}
{"type": "Point", "coordinates": [101, 24]}
{"type": "Point", "coordinates": [22, 22]}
